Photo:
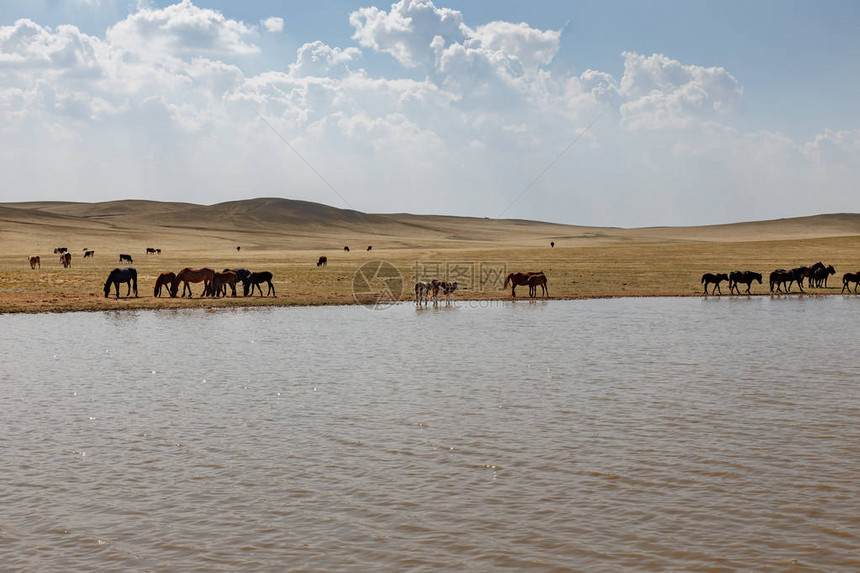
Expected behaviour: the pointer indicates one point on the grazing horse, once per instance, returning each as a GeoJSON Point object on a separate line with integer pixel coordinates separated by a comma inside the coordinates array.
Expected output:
{"type": "Point", "coordinates": [322, 262]}
{"type": "Point", "coordinates": [220, 282]}
{"type": "Point", "coordinates": [89, 254]}
{"type": "Point", "coordinates": [125, 258]}
{"type": "Point", "coordinates": [241, 274]}
{"type": "Point", "coordinates": [346, 248]}
{"type": "Point", "coordinates": [742, 277]}
{"type": "Point", "coordinates": [150, 251]}
{"type": "Point", "coordinates": [186, 276]}
{"type": "Point", "coordinates": [518, 279]}
{"type": "Point", "coordinates": [254, 280]}
{"type": "Point", "coordinates": [850, 278]}
{"type": "Point", "coordinates": [818, 277]}
{"type": "Point", "coordinates": [66, 260]}
{"type": "Point", "coordinates": [34, 261]}
{"type": "Point", "coordinates": [538, 281]}
{"type": "Point", "coordinates": [164, 280]}
{"type": "Point", "coordinates": [716, 279]}
{"type": "Point", "coordinates": [124, 275]}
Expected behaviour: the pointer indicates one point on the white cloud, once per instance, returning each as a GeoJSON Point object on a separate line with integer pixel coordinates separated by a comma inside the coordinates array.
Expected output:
{"type": "Point", "coordinates": [318, 59]}
{"type": "Point", "coordinates": [837, 147]}
{"type": "Point", "coordinates": [273, 24]}
{"type": "Point", "coordinates": [663, 93]}
{"type": "Point", "coordinates": [182, 29]}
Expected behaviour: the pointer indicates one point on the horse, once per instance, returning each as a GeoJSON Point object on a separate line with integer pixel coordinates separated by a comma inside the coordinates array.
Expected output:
{"type": "Point", "coordinates": [186, 276]}
{"type": "Point", "coordinates": [346, 248]}
{"type": "Point", "coordinates": [422, 292]}
{"type": "Point", "coordinates": [850, 278]}
{"type": "Point", "coordinates": [322, 262]}
{"type": "Point", "coordinates": [254, 280]}
{"type": "Point", "coordinates": [798, 274]}
{"type": "Point", "coordinates": [125, 258]}
{"type": "Point", "coordinates": [819, 275]}
{"type": "Point", "coordinates": [66, 260]}
{"type": "Point", "coordinates": [89, 254]}
{"type": "Point", "coordinates": [124, 275]}
{"type": "Point", "coordinates": [538, 281]}
{"type": "Point", "coordinates": [782, 276]}
{"type": "Point", "coordinates": [221, 280]}
{"type": "Point", "coordinates": [518, 279]}
{"type": "Point", "coordinates": [716, 279]}
{"type": "Point", "coordinates": [742, 277]}
{"type": "Point", "coordinates": [446, 288]}
{"type": "Point", "coordinates": [34, 261]}
{"type": "Point", "coordinates": [164, 280]}
{"type": "Point", "coordinates": [241, 274]}
{"type": "Point", "coordinates": [150, 251]}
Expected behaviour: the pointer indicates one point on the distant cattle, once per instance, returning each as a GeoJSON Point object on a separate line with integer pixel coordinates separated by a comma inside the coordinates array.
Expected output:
{"type": "Point", "coordinates": [157, 251]}
{"type": "Point", "coordinates": [89, 254]}
{"type": "Point", "coordinates": [125, 258]}
{"type": "Point", "coordinates": [322, 262]}
{"type": "Point", "coordinates": [238, 248]}
{"type": "Point", "coordinates": [34, 261]}
{"type": "Point", "coordinates": [552, 243]}
{"type": "Point", "coordinates": [346, 248]}
{"type": "Point", "coordinates": [66, 260]}
{"type": "Point", "coordinates": [369, 247]}
{"type": "Point", "coordinates": [150, 251]}
{"type": "Point", "coordinates": [60, 250]}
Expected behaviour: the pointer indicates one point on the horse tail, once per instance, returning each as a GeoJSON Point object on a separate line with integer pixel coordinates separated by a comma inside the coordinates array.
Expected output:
{"type": "Point", "coordinates": [508, 279]}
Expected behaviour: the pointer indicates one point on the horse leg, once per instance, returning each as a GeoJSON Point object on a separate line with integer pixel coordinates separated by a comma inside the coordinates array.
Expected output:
{"type": "Point", "coordinates": [272, 289]}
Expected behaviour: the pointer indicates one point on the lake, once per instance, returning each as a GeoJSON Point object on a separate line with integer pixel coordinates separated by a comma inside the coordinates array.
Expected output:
{"type": "Point", "coordinates": [718, 433]}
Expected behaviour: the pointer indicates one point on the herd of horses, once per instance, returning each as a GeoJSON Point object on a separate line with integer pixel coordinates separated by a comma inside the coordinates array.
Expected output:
{"type": "Point", "coordinates": [815, 276]}
{"type": "Point", "coordinates": [214, 283]}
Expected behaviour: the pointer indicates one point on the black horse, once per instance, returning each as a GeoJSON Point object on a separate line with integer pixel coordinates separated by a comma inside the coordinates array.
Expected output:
{"type": "Point", "coordinates": [124, 275]}
{"type": "Point", "coordinates": [744, 278]}
{"type": "Point", "coordinates": [715, 279]}
{"type": "Point", "coordinates": [241, 275]}
{"type": "Point", "coordinates": [255, 279]}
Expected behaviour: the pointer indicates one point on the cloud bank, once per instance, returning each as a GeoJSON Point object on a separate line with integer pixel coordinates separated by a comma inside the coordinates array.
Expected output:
{"type": "Point", "coordinates": [465, 118]}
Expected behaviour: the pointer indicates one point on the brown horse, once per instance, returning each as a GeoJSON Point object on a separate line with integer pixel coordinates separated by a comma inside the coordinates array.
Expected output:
{"type": "Point", "coordinates": [220, 282]}
{"type": "Point", "coordinates": [186, 276]}
{"type": "Point", "coordinates": [34, 261]}
{"type": "Point", "coordinates": [518, 279]}
{"type": "Point", "coordinates": [538, 281]}
{"type": "Point", "coordinates": [850, 278]}
{"type": "Point", "coordinates": [164, 280]}
{"type": "Point", "coordinates": [742, 277]}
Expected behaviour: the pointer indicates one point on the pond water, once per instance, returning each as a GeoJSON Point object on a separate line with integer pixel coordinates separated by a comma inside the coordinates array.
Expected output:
{"type": "Point", "coordinates": [635, 434]}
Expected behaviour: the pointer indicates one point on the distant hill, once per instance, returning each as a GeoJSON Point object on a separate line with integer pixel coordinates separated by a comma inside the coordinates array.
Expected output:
{"type": "Point", "coordinates": [290, 224]}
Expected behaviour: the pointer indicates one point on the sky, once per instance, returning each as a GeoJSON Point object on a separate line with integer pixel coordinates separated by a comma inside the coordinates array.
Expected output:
{"type": "Point", "coordinates": [609, 113]}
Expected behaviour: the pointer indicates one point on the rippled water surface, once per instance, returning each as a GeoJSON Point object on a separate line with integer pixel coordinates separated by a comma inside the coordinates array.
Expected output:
{"type": "Point", "coordinates": [631, 434]}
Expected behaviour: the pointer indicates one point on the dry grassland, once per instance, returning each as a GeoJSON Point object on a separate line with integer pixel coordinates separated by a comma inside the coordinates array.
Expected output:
{"type": "Point", "coordinates": [287, 237]}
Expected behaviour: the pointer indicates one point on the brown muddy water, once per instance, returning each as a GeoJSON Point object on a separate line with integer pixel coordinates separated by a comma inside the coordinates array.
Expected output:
{"type": "Point", "coordinates": [600, 435]}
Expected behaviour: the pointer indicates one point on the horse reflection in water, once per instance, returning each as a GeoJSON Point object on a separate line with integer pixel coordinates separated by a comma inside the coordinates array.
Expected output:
{"type": "Point", "coordinates": [124, 275]}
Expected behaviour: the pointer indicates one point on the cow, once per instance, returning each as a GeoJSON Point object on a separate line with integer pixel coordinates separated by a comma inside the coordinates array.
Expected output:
{"type": "Point", "coordinates": [89, 254]}
{"type": "Point", "coordinates": [66, 260]}
{"type": "Point", "coordinates": [322, 262]}
{"type": "Point", "coordinates": [125, 258]}
{"type": "Point", "coordinates": [34, 261]}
